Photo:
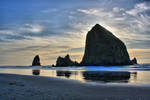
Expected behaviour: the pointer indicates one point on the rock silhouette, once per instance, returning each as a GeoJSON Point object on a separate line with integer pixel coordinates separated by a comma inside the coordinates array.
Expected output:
{"type": "Point", "coordinates": [103, 48]}
{"type": "Point", "coordinates": [134, 61]}
{"type": "Point", "coordinates": [66, 61]}
{"type": "Point", "coordinates": [36, 61]}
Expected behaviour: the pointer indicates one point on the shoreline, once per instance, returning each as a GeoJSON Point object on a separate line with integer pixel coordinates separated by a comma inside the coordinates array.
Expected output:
{"type": "Point", "coordinates": [26, 87]}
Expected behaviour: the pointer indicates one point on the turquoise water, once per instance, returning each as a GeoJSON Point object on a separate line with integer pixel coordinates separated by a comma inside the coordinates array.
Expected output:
{"type": "Point", "coordinates": [133, 74]}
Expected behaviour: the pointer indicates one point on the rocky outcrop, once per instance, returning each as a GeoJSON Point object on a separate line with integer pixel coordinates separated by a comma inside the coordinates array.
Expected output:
{"type": "Point", "coordinates": [36, 61]}
{"type": "Point", "coordinates": [134, 61]}
{"type": "Point", "coordinates": [66, 61]}
{"type": "Point", "coordinates": [103, 48]}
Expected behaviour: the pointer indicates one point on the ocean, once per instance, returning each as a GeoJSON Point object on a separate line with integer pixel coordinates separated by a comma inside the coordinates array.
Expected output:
{"type": "Point", "coordinates": [131, 74]}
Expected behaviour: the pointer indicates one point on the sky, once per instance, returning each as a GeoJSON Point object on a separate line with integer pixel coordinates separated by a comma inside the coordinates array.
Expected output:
{"type": "Point", "coordinates": [52, 28]}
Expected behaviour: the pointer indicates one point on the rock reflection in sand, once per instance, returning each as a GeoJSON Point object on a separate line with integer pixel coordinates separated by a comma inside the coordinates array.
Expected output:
{"type": "Point", "coordinates": [64, 73]}
{"type": "Point", "coordinates": [103, 76]}
{"type": "Point", "coordinates": [36, 72]}
{"type": "Point", "coordinates": [108, 76]}
{"type": "Point", "coordinates": [132, 77]}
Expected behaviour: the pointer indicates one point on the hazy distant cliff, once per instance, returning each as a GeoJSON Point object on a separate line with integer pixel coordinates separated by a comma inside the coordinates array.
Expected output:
{"type": "Point", "coordinates": [103, 48]}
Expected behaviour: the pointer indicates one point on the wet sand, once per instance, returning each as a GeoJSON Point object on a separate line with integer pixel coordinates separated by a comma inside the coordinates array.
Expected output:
{"type": "Point", "coordinates": [24, 87]}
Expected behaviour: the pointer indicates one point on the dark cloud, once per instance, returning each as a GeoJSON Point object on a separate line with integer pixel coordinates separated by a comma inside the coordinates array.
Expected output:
{"type": "Point", "coordinates": [1, 41]}
{"type": "Point", "coordinates": [10, 37]}
{"type": "Point", "coordinates": [15, 37]}
{"type": "Point", "coordinates": [141, 1]}
{"type": "Point", "coordinates": [81, 49]}
{"type": "Point", "coordinates": [144, 0]}
{"type": "Point", "coordinates": [37, 47]}
{"type": "Point", "coordinates": [139, 44]}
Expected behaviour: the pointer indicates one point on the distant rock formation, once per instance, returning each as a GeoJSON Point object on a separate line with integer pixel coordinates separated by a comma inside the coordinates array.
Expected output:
{"type": "Point", "coordinates": [66, 61]}
{"type": "Point", "coordinates": [36, 61]}
{"type": "Point", "coordinates": [134, 61]}
{"type": "Point", "coordinates": [103, 48]}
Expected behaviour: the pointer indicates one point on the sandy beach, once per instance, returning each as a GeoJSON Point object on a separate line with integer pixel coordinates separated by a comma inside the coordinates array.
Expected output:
{"type": "Point", "coordinates": [23, 87]}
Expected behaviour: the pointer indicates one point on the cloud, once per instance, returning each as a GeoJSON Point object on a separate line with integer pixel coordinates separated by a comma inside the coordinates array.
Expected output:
{"type": "Point", "coordinates": [28, 31]}
{"type": "Point", "coordinates": [14, 37]}
{"type": "Point", "coordinates": [31, 28]}
{"type": "Point", "coordinates": [17, 32]}
{"type": "Point", "coordinates": [1, 41]}
{"type": "Point", "coordinates": [96, 12]}
{"type": "Point", "coordinates": [89, 11]}
{"type": "Point", "coordinates": [144, 0]}
{"type": "Point", "coordinates": [117, 9]}
{"type": "Point", "coordinates": [137, 43]}
{"type": "Point", "coordinates": [9, 35]}
{"type": "Point", "coordinates": [37, 47]}
{"type": "Point", "coordinates": [49, 10]}
{"type": "Point", "coordinates": [73, 50]}
{"type": "Point", "coordinates": [138, 8]}
{"type": "Point", "coordinates": [9, 32]}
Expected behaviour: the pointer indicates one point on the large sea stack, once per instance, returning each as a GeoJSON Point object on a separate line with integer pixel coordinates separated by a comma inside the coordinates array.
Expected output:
{"type": "Point", "coordinates": [36, 61]}
{"type": "Point", "coordinates": [103, 48]}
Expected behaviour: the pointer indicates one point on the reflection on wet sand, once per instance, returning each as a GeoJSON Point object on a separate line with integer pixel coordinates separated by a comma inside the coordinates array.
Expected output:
{"type": "Point", "coordinates": [103, 76]}
{"type": "Point", "coordinates": [107, 76]}
{"type": "Point", "coordinates": [135, 77]}
{"type": "Point", "coordinates": [36, 72]}
{"type": "Point", "coordinates": [64, 73]}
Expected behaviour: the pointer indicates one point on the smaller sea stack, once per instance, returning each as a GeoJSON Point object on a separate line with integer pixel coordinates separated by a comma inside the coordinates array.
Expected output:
{"type": "Point", "coordinates": [36, 61]}
{"type": "Point", "coordinates": [134, 61]}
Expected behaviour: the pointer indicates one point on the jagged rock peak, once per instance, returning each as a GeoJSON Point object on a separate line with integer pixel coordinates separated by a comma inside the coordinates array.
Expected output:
{"type": "Point", "coordinates": [67, 56]}
{"type": "Point", "coordinates": [66, 61]}
{"type": "Point", "coordinates": [97, 27]}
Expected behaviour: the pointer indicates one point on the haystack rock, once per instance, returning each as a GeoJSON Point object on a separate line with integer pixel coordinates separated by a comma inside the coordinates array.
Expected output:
{"type": "Point", "coordinates": [36, 61]}
{"type": "Point", "coordinates": [66, 61]}
{"type": "Point", "coordinates": [103, 48]}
